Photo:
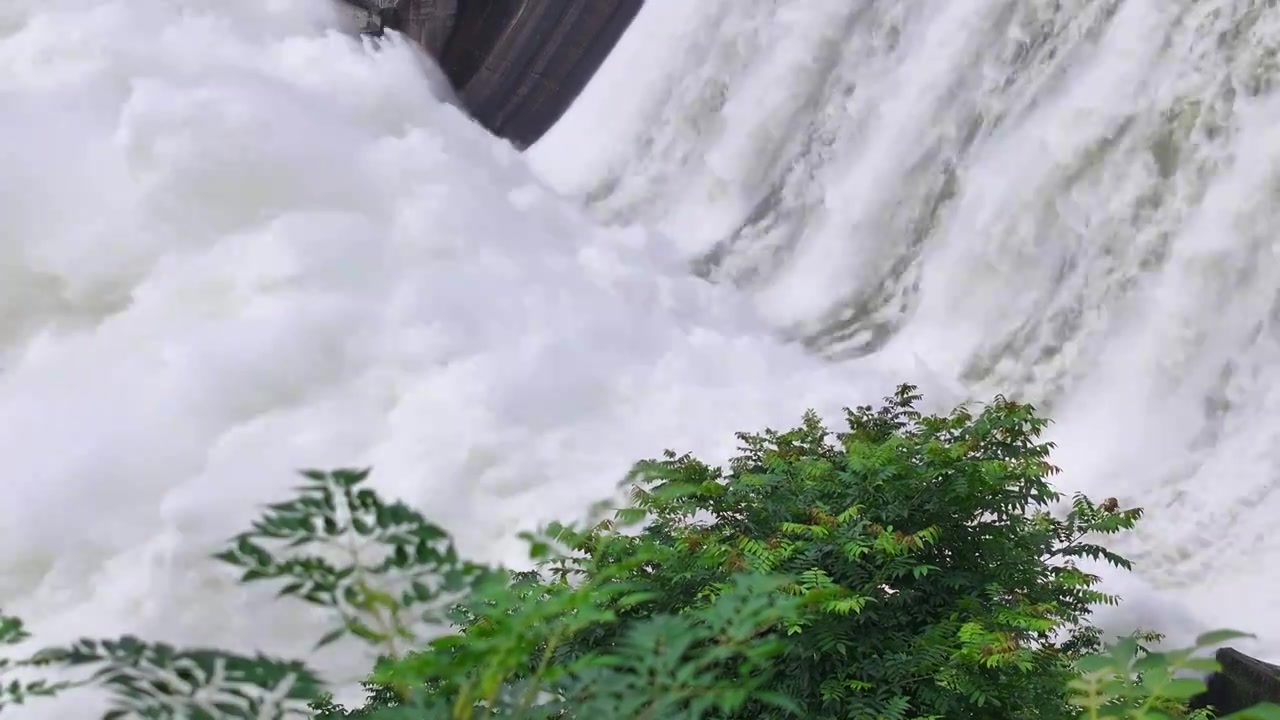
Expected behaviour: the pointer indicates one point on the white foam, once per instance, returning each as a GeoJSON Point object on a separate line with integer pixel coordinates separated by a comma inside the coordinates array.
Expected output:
{"type": "Point", "coordinates": [234, 243]}
{"type": "Point", "coordinates": [1069, 203]}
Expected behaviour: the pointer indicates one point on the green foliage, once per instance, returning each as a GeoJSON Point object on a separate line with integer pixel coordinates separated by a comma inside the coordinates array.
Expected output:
{"type": "Point", "coordinates": [15, 691]}
{"type": "Point", "coordinates": [499, 663]}
{"type": "Point", "coordinates": [697, 665]}
{"type": "Point", "coordinates": [906, 567]}
{"type": "Point", "coordinates": [1129, 681]}
{"type": "Point", "coordinates": [386, 572]}
{"type": "Point", "coordinates": [934, 581]}
{"type": "Point", "coordinates": [154, 680]}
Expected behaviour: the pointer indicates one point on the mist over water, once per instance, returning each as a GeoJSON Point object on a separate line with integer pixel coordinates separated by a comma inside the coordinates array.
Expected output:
{"type": "Point", "coordinates": [235, 242]}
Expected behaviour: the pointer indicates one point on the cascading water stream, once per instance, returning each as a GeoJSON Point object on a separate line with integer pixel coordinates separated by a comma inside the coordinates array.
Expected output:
{"type": "Point", "coordinates": [1070, 202]}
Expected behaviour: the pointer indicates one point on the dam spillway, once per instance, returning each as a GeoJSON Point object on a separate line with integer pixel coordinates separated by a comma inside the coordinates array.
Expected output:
{"type": "Point", "coordinates": [517, 65]}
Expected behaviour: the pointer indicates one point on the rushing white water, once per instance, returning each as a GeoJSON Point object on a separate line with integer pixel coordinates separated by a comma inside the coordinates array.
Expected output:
{"type": "Point", "coordinates": [235, 242]}
{"type": "Point", "coordinates": [1074, 203]}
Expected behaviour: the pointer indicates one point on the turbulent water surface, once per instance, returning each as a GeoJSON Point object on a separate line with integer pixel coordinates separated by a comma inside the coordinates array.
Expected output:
{"type": "Point", "coordinates": [1071, 201]}
{"type": "Point", "coordinates": [235, 241]}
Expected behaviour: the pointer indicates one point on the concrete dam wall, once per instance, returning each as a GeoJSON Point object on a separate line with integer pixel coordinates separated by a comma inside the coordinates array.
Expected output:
{"type": "Point", "coordinates": [517, 65]}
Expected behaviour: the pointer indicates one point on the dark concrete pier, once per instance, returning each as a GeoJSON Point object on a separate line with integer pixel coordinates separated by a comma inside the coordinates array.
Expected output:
{"type": "Point", "coordinates": [517, 65]}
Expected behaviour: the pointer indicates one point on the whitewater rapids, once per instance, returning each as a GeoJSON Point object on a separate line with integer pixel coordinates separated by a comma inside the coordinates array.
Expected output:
{"type": "Point", "coordinates": [235, 241]}
{"type": "Point", "coordinates": [1071, 202]}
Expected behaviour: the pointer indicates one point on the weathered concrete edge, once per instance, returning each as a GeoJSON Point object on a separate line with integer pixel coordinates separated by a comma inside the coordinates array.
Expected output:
{"type": "Point", "coordinates": [1243, 682]}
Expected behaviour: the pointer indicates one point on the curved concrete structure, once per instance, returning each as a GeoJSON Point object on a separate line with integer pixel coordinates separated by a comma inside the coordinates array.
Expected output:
{"type": "Point", "coordinates": [1242, 682]}
{"type": "Point", "coordinates": [517, 65]}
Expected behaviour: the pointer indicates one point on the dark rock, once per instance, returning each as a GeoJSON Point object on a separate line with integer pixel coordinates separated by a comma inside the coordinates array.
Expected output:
{"type": "Point", "coordinates": [517, 65]}
{"type": "Point", "coordinates": [1243, 682]}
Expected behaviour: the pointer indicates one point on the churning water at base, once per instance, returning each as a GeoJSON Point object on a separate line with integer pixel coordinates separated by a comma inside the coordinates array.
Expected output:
{"type": "Point", "coordinates": [234, 242]}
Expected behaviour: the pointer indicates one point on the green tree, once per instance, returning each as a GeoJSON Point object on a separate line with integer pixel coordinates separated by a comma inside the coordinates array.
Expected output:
{"type": "Point", "coordinates": [935, 582]}
{"type": "Point", "coordinates": [905, 568]}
